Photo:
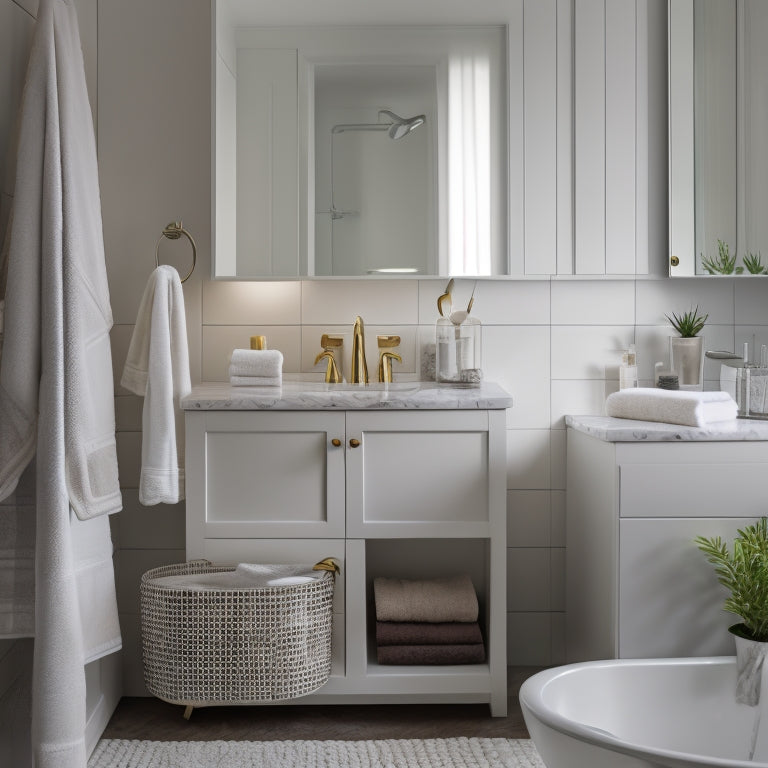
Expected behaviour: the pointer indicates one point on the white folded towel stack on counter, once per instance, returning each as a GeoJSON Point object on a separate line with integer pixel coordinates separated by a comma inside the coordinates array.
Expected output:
{"type": "Point", "coordinates": [256, 368]}
{"type": "Point", "coordinates": [685, 407]}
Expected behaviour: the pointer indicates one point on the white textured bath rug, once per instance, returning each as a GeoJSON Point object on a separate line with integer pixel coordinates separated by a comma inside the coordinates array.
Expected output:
{"type": "Point", "coordinates": [389, 753]}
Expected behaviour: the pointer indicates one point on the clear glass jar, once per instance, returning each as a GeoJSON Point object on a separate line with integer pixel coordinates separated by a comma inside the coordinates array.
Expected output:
{"type": "Point", "coordinates": [459, 352]}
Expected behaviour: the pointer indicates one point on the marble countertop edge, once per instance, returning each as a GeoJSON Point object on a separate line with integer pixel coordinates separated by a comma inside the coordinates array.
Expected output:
{"type": "Point", "coordinates": [305, 396]}
{"type": "Point", "coordinates": [616, 430]}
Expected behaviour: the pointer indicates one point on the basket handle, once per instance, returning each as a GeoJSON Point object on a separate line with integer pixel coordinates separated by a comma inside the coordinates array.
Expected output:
{"type": "Point", "coordinates": [327, 564]}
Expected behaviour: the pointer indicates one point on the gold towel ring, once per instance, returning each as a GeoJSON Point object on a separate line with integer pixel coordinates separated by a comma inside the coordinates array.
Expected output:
{"type": "Point", "coordinates": [174, 231]}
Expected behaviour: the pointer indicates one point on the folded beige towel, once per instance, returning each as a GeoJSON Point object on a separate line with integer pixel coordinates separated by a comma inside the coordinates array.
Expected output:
{"type": "Point", "coordinates": [451, 598]}
{"type": "Point", "coordinates": [691, 409]}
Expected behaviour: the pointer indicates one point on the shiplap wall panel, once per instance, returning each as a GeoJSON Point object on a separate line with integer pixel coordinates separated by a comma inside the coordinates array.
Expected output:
{"type": "Point", "coordinates": [540, 86]}
{"type": "Point", "coordinates": [620, 136]}
{"type": "Point", "coordinates": [565, 137]}
{"type": "Point", "coordinates": [642, 128]}
{"type": "Point", "coordinates": [589, 129]}
{"type": "Point", "coordinates": [516, 187]}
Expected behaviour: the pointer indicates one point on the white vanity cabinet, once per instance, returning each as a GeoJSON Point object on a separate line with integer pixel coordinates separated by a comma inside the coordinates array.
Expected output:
{"type": "Point", "coordinates": [407, 493]}
{"type": "Point", "coordinates": [637, 585]}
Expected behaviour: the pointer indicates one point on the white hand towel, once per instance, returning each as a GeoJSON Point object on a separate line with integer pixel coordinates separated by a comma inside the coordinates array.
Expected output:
{"type": "Point", "coordinates": [157, 367]}
{"type": "Point", "coordinates": [256, 362]}
{"type": "Point", "coordinates": [256, 381]}
{"type": "Point", "coordinates": [691, 409]}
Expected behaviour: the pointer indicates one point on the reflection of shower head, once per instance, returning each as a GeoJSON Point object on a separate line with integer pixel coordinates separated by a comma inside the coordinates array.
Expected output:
{"type": "Point", "coordinates": [401, 126]}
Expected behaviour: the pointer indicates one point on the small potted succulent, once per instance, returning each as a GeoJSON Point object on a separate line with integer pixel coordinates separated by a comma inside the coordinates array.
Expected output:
{"type": "Point", "coordinates": [686, 351]}
{"type": "Point", "coordinates": [743, 571]}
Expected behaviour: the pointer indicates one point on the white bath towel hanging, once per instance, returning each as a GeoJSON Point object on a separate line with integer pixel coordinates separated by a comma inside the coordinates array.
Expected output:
{"type": "Point", "coordinates": [157, 367]}
{"type": "Point", "coordinates": [56, 388]}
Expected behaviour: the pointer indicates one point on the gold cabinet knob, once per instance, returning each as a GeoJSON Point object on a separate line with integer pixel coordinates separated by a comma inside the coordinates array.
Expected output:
{"type": "Point", "coordinates": [354, 443]}
{"type": "Point", "coordinates": [336, 442]}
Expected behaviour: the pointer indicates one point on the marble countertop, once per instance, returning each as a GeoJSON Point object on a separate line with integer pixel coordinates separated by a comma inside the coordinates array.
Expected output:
{"type": "Point", "coordinates": [614, 430]}
{"type": "Point", "coordinates": [316, 395]}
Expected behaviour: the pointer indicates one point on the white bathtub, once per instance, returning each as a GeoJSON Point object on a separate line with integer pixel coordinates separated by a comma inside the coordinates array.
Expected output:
{"type": "Point", "coordinates": [643, 713]}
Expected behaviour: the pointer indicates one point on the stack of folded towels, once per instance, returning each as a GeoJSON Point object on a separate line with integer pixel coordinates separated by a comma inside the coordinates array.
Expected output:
{"type": "Point", "coordinates": [256, 368]}
{"type": "Point", "coordinates": [432, 621]}
{"type": "Point", "coordinates": [688, 408]}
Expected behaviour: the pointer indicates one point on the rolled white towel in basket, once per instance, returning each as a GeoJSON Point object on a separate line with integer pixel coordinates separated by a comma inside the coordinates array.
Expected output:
{"type": "Point", "coordinates": [244, 576]}
{"type": "Point", "coordinates": [256, 367]}
{"type": "Point", "coordinates": [689, 408]}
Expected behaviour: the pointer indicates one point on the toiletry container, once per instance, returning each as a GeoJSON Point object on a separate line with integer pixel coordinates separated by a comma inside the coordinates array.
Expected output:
{"type": "Point", "coordinates": [628, 369]}
{"type": "Point", "coordinates": [458, 352]}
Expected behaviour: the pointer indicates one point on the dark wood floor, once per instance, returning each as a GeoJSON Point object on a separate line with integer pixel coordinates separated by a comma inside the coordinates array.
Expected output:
{"type": "Point", "coordinates": [149, 718]}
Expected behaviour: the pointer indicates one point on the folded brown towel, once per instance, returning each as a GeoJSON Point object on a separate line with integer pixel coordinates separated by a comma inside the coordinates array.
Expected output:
{"type": "Point", "coordinates": [426, 633]}
{"type": "Point", "coordinates": [451, 598]}
{"type": "Point", "coordinates": [470, 653]}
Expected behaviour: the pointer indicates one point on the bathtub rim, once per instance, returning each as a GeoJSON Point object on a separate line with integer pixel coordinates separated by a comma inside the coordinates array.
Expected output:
{"type": "Point", "coordinates": [531, 699]}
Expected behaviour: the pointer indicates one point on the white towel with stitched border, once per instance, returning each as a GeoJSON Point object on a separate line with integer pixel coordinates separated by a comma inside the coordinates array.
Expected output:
{"type": "Point", "coordinates": [685, 407]}
{"type": "Point", "coordinates": [56, 387]}
{"type": "Point", "coordinates": [157, 367]}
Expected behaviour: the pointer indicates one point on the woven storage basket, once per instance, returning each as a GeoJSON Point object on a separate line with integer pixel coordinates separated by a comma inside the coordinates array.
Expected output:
{"type": "Point", "coordinates": [234, 646]}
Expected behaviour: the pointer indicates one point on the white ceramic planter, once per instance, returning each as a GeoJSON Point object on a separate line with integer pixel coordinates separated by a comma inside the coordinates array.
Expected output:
{"type": "Point", "coordinates": [750, 657]}
{"type": "Point", "coordinates": [686, 358]}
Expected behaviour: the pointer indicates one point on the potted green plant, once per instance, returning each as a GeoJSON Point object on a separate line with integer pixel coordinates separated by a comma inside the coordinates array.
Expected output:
{"type": "Point", "coordinates": [686, 351]}
{"type": "Point", "coordinates": [743, 571]}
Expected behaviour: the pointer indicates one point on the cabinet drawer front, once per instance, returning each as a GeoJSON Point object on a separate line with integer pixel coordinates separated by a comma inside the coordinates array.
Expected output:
{"type": "Point", "coordinates": [692, 490]}
{"type": "Point", "coordinates": [304, 551]}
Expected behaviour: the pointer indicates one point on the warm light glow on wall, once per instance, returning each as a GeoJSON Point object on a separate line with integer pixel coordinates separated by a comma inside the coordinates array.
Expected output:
{"type": "Point", "coordinates": [469, 165]}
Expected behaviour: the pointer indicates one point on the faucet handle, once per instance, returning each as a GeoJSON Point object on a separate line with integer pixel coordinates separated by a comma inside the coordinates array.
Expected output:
{"type": "Point", "coordinates": [388, 342]}
{"type": "Point", "coordinates": [330, 342]}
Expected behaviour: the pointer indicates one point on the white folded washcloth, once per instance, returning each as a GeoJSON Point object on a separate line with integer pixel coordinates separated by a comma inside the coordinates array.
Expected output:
{"type": "Point", "coordinates": [256, 381]}
{"type": "Point", "coordinates": [256, 362]}
{"type": "Point", "coordinates": [689, 408]}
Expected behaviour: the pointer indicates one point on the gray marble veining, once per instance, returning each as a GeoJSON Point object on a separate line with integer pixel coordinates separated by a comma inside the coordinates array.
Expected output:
{"type": "Point", "coordinates": [614, 430]}
{"type": "Point", "coordinates": [313, 396]}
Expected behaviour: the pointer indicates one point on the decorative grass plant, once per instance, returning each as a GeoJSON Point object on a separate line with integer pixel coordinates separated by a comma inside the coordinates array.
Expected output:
{"type": "Point", "coordinates": [744, 572]}
{"type": "Point", "coordinates": [688, 324]}
{"type": "Point", "coordinates": [723, 263]}
{"type": "Point", "coordinates": [753, 263]}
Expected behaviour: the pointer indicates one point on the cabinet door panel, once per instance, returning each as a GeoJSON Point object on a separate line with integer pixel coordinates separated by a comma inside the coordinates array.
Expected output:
{"type": "Point", "coordinates": [670, 603]}
{"type": "Point", "coordinates": [425, 474]}
{"type": "Point", "coordinates": [269, 475]}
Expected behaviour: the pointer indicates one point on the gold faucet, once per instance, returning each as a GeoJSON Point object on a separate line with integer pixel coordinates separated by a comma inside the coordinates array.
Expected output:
{"type": "Point", "coordinates": [359, 370]}
{"type": "Point", "coordinates": [386, 357]}
{"type": "Point", "coordinates": [329, 344]}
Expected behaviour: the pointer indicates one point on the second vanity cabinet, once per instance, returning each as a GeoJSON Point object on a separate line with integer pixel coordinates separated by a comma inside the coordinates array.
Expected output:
{"type": "Point", "coordinates": [406, 493]}
{"type": "Point", "coordinates": [637, 496]}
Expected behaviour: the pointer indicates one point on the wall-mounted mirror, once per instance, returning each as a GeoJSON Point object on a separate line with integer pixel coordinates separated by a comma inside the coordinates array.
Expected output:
{"type": "Point", "coordinates": [358, 150]}
{"type": "Point", "coordinates": [718, 124]}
